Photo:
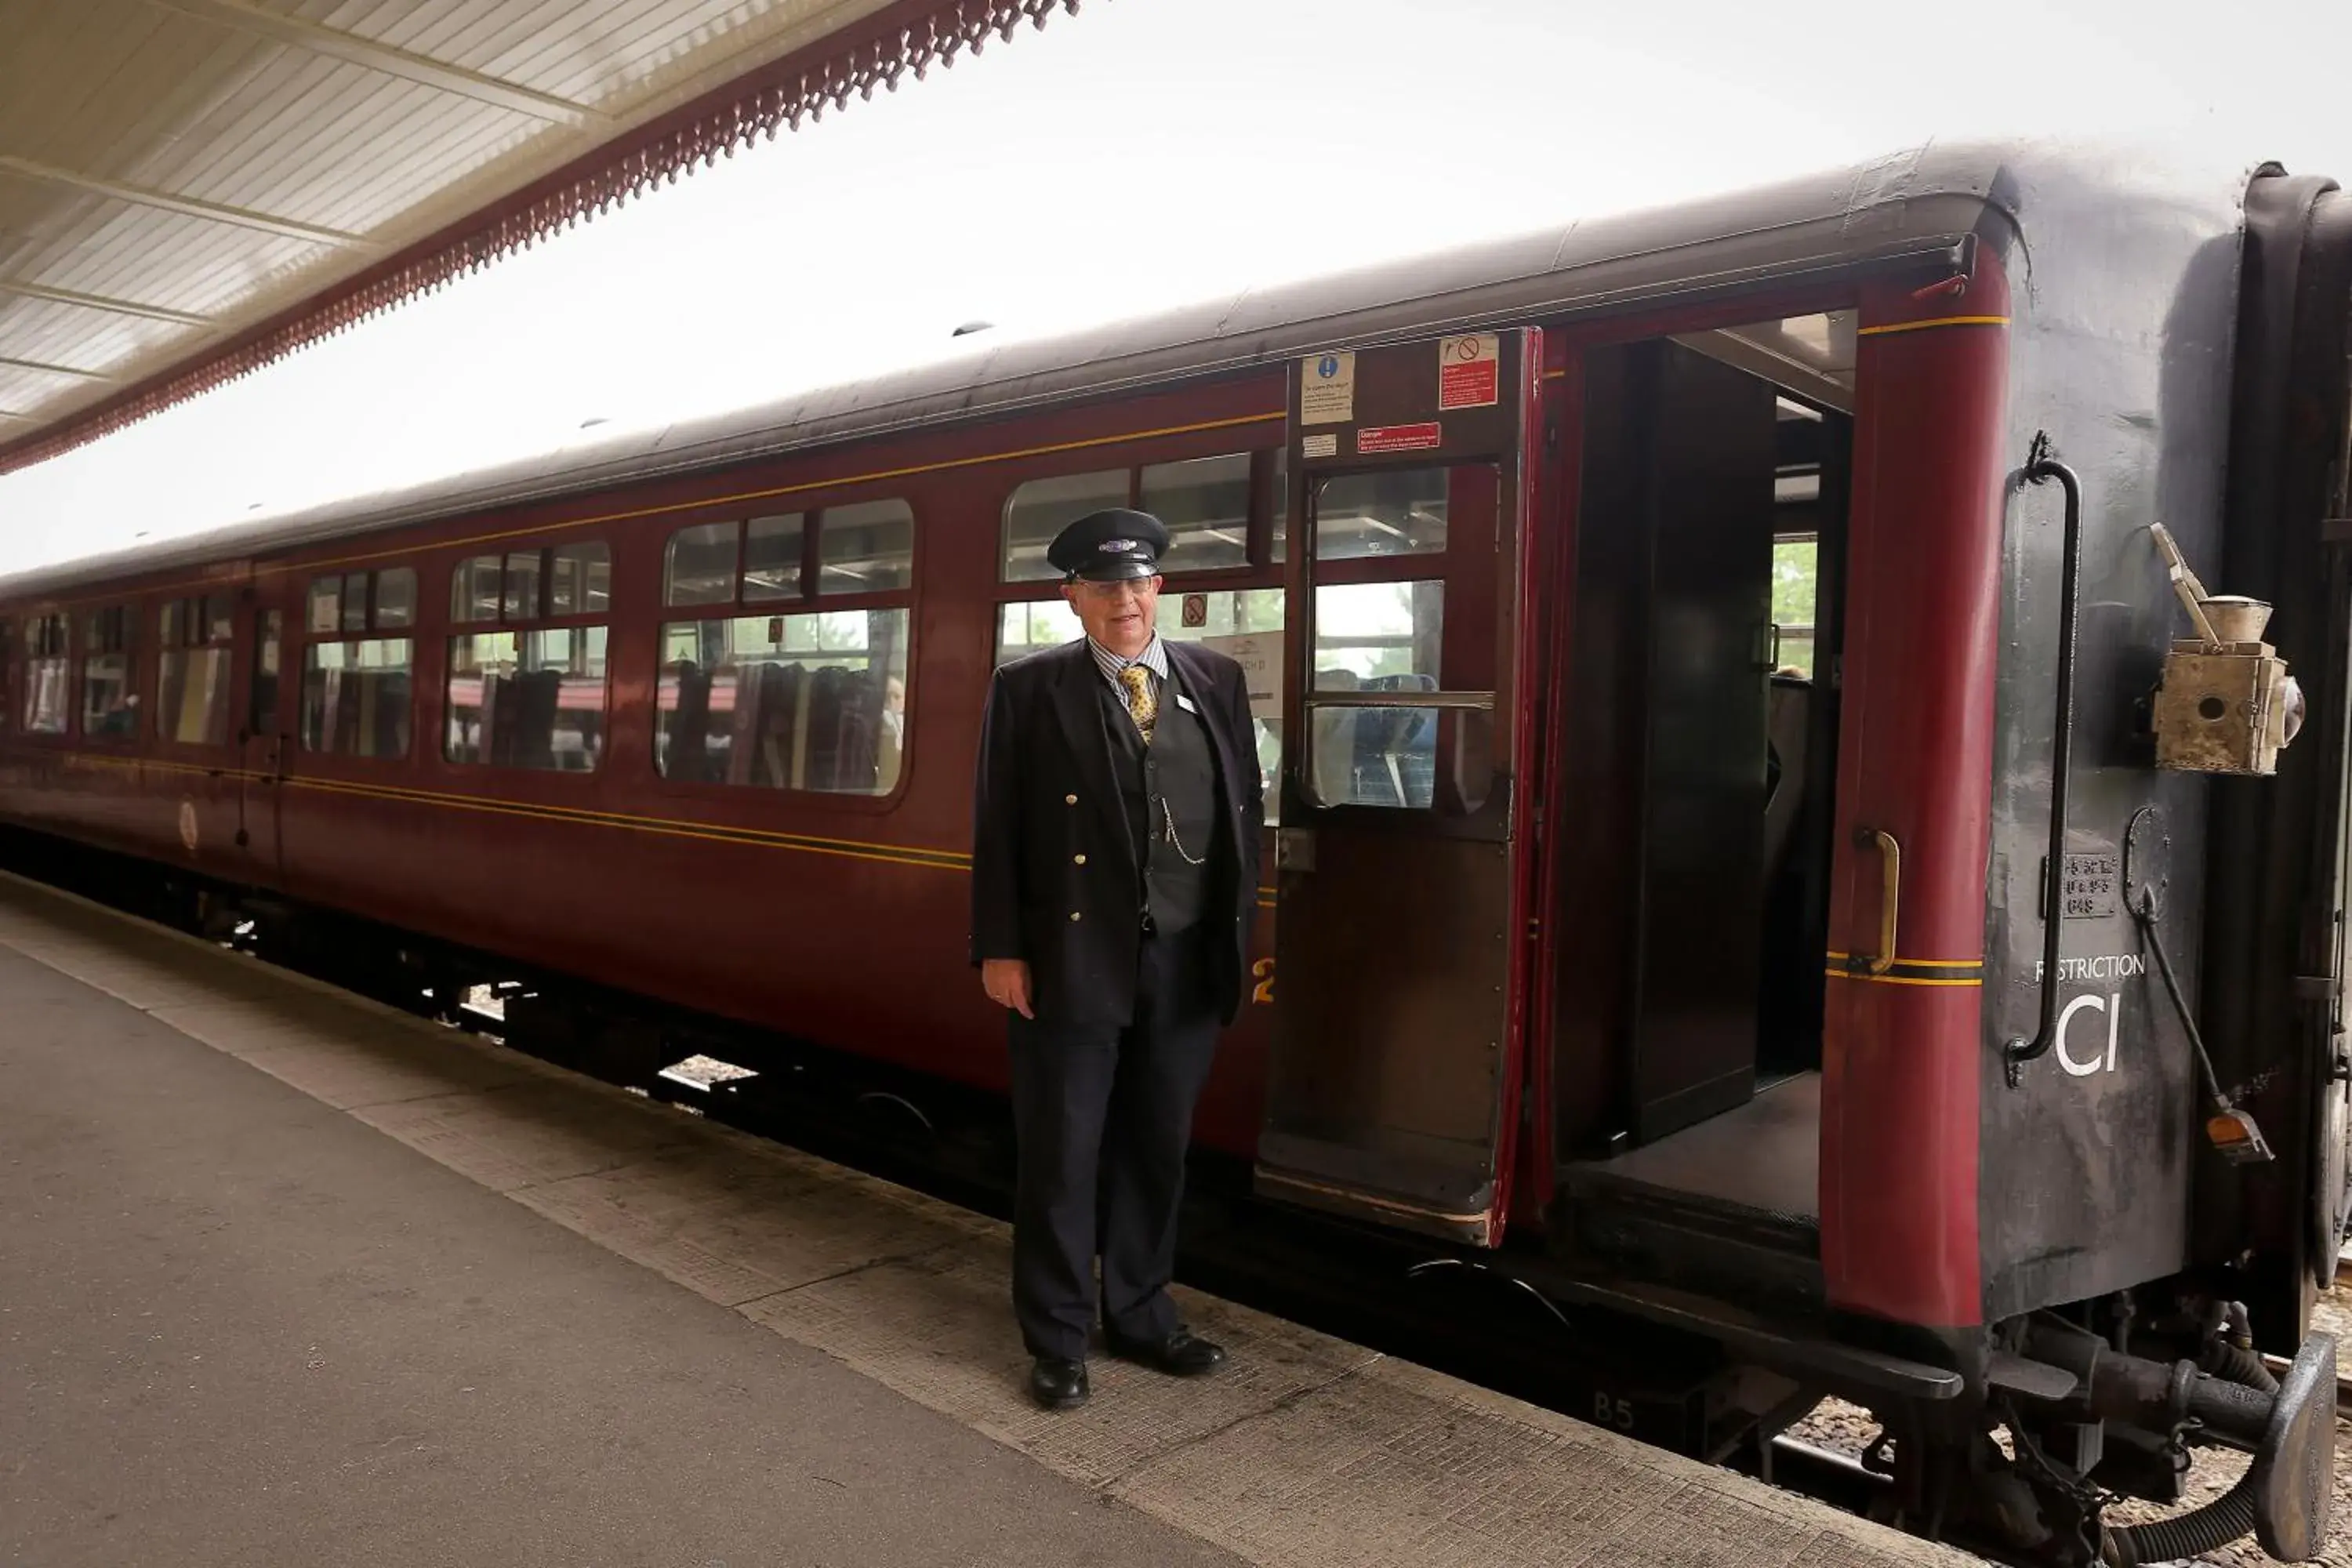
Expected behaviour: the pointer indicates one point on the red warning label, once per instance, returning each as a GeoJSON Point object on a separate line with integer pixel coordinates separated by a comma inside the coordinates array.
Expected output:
{"type": "Point", "coordinates": [1398, 438]}
{"type": "Point", "coordinates": [1469, 372]}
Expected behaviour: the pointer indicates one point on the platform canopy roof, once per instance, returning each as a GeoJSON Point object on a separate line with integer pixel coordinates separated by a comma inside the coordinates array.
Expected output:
{"type": "Point", "coordinates": [190, 189]}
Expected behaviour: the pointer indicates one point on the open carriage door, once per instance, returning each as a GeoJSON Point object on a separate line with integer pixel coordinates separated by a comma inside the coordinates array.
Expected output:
{"type": "Point", "coordinates": [1393, 1086]}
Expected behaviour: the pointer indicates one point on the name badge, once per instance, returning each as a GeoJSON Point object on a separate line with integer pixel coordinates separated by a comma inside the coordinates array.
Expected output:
{"type": "Point", "coordinates": [1186, 703]}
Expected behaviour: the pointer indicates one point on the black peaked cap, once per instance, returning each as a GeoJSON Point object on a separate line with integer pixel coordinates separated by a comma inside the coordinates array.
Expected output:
{"type": "Point", "coordinates": [1108, 545]}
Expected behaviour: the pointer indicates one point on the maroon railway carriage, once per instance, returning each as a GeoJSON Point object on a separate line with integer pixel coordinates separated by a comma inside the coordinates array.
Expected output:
{"type": "Point", "coordinates": [1668, 632]}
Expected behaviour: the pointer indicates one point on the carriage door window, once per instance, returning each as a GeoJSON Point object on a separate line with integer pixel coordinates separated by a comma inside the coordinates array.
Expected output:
{"type": "Point", "coordinates": [1393, 721]}
{"type": "Point", "coordinates": [263, 719]}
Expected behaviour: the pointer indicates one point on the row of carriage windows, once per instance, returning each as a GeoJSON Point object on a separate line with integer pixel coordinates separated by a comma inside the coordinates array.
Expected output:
{"type": "Point", "coordinates": [785, 648]}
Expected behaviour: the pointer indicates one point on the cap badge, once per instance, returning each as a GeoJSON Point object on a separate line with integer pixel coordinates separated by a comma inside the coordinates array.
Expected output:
{"type": "Point", "coordinates": [1116, 546]}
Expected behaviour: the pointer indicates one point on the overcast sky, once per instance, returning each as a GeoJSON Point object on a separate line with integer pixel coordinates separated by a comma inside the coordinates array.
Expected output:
{"type": "Point", "coordinates": [1148, 152]}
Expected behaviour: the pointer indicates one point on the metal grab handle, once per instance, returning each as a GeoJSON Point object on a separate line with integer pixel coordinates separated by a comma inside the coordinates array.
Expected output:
{"type": "Point", "coordinates": [2039, 466]}
{"type": "Point", "coordinates": [1890, 891]}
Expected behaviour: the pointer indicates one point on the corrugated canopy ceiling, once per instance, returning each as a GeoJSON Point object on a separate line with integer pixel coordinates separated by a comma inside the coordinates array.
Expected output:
{"type": "Point", "coordinates": [191, 188]}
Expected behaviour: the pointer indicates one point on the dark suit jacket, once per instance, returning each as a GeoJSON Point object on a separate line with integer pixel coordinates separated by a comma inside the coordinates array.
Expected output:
{"type": "Point", "coordinates": [1054, 877]}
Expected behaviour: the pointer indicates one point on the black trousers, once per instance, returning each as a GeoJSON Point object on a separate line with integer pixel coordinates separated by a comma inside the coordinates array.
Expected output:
{"type": "Point", "coordinates": [1103, 1116]}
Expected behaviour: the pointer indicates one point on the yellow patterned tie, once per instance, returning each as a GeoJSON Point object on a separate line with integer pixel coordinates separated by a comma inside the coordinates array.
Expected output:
{"type": "Point", "coordinates": [1141, 705]}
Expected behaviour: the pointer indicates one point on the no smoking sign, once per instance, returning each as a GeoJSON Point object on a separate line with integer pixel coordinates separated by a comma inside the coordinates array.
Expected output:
{"type": "Point", "coordinates": [1469, 372]}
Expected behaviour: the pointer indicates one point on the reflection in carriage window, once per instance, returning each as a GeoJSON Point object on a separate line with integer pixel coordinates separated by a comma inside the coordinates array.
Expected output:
{"type": "Point", "coordinates": [811, 701]}
{"type": "Point", "coordinates": [1373, 638]}
{"type": "Point", "coordinates": [47, 675]}
{"type": "Point", "coordinates": [109, 707]}
{"type": "Point", "coordinates": [700, 566]}
{"type": "Point", "coordinates": [191, 671]}
{"type": "Point", "coordinates": [867, 547]}
{"type": "Point", "coordinates": [355, 698]}
{"type": "Point", "coordinates": [528, 699]}
{"type": "Point", "coordinates": [530, 695]}
{"type": "Point", "coordinates": [395, 598]}
{"type": "Point", "coordinates": [474, 590]}
{"type": "Point", "coordinates": [1039, 509]}
{"type": "Point", "coordinates": [771, 563]}
{"type": "Point", "coordinates": [579, 579]}
{"type": "Point", "coordinates": [1396, 511]}
{"type": "Point", "coordinates": [1205, 504]}
{"type": "Point", "coordinates": [522, 585]}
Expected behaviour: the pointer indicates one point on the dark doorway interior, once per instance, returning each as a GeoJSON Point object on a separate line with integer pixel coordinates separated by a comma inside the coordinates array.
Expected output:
{"type": "Point", "coordinates": [1698, 766]}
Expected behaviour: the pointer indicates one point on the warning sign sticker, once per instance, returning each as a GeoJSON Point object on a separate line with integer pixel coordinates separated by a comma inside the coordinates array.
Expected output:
{"type": "Point", "coordinates": [1326, 389]}
{"type": "Point", "coordinates": [1326, 444]}
{"type": "Point", "coordinates": [1400, 437]}
{"type": "Point", "coordinates": [1469, 372]}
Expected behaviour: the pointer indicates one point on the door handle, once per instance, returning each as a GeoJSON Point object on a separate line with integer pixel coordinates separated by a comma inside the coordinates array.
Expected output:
{"type": "Point", "coordinates": [1890, 855]}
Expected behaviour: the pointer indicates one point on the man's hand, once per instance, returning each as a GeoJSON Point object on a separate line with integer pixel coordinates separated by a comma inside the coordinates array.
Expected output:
{"type": "Point", "coordinates": [1006, 980]}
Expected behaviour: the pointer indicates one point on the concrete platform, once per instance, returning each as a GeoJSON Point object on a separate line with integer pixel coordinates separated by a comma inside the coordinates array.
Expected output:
{"type": "Point", "coordinates": [349, 1288]}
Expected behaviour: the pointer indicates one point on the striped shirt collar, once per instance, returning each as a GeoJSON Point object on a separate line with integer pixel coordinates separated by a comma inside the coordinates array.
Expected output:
{"type": "Point", "coordinates": [1154, 658]}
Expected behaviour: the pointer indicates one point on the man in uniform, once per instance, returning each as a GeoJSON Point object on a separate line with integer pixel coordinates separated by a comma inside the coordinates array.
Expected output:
{"type": "Point", "coordinates": [1115, 855]}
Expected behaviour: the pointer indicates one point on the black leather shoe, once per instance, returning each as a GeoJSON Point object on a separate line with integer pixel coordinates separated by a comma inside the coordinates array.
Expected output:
{"type": "Point", "coordinates": [1057, 1384]}
{"type": "Point", "coordinates": [1181, 1354]}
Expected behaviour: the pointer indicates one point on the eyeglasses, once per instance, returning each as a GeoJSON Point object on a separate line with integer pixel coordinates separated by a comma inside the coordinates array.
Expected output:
{"type": "Point", "coordinates": [1141, 587]}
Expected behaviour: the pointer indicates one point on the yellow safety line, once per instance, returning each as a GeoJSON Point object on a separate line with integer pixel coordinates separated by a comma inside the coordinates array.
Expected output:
{"type": "Point", "coordinates": [1883, 330]}
{"type": "Point", "coordinates": [1924, 962]}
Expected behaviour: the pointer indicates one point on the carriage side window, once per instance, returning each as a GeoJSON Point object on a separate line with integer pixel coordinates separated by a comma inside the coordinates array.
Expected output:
{"type": "Point", "coordinates": [109, 707]}
{"type": "Point", "coordinates": [356, 602]}
{"type": "Point", "coordinates": [772, 691]}
{"type": "Point", "coordinates": [1206, 503]}
{"type": "Point", "coordinates": [868, 548]}
{"type": "Point", "coordinates": [1041, 509]}
{"type": "Point", "coordinates": [191, 671]}
{"type": "Point", "coordinates": [531, 693]}
{"type": "Point", "coordinates": [7, 663]}
{"type": "Point", "coordinates": [1217, 510]}
{"type": "Point", "coordinates": [47, 675]}
{"type": "Point", "coordinates": [1794, 559]}
{"type": "Point", "coordinates": [356, 686]}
